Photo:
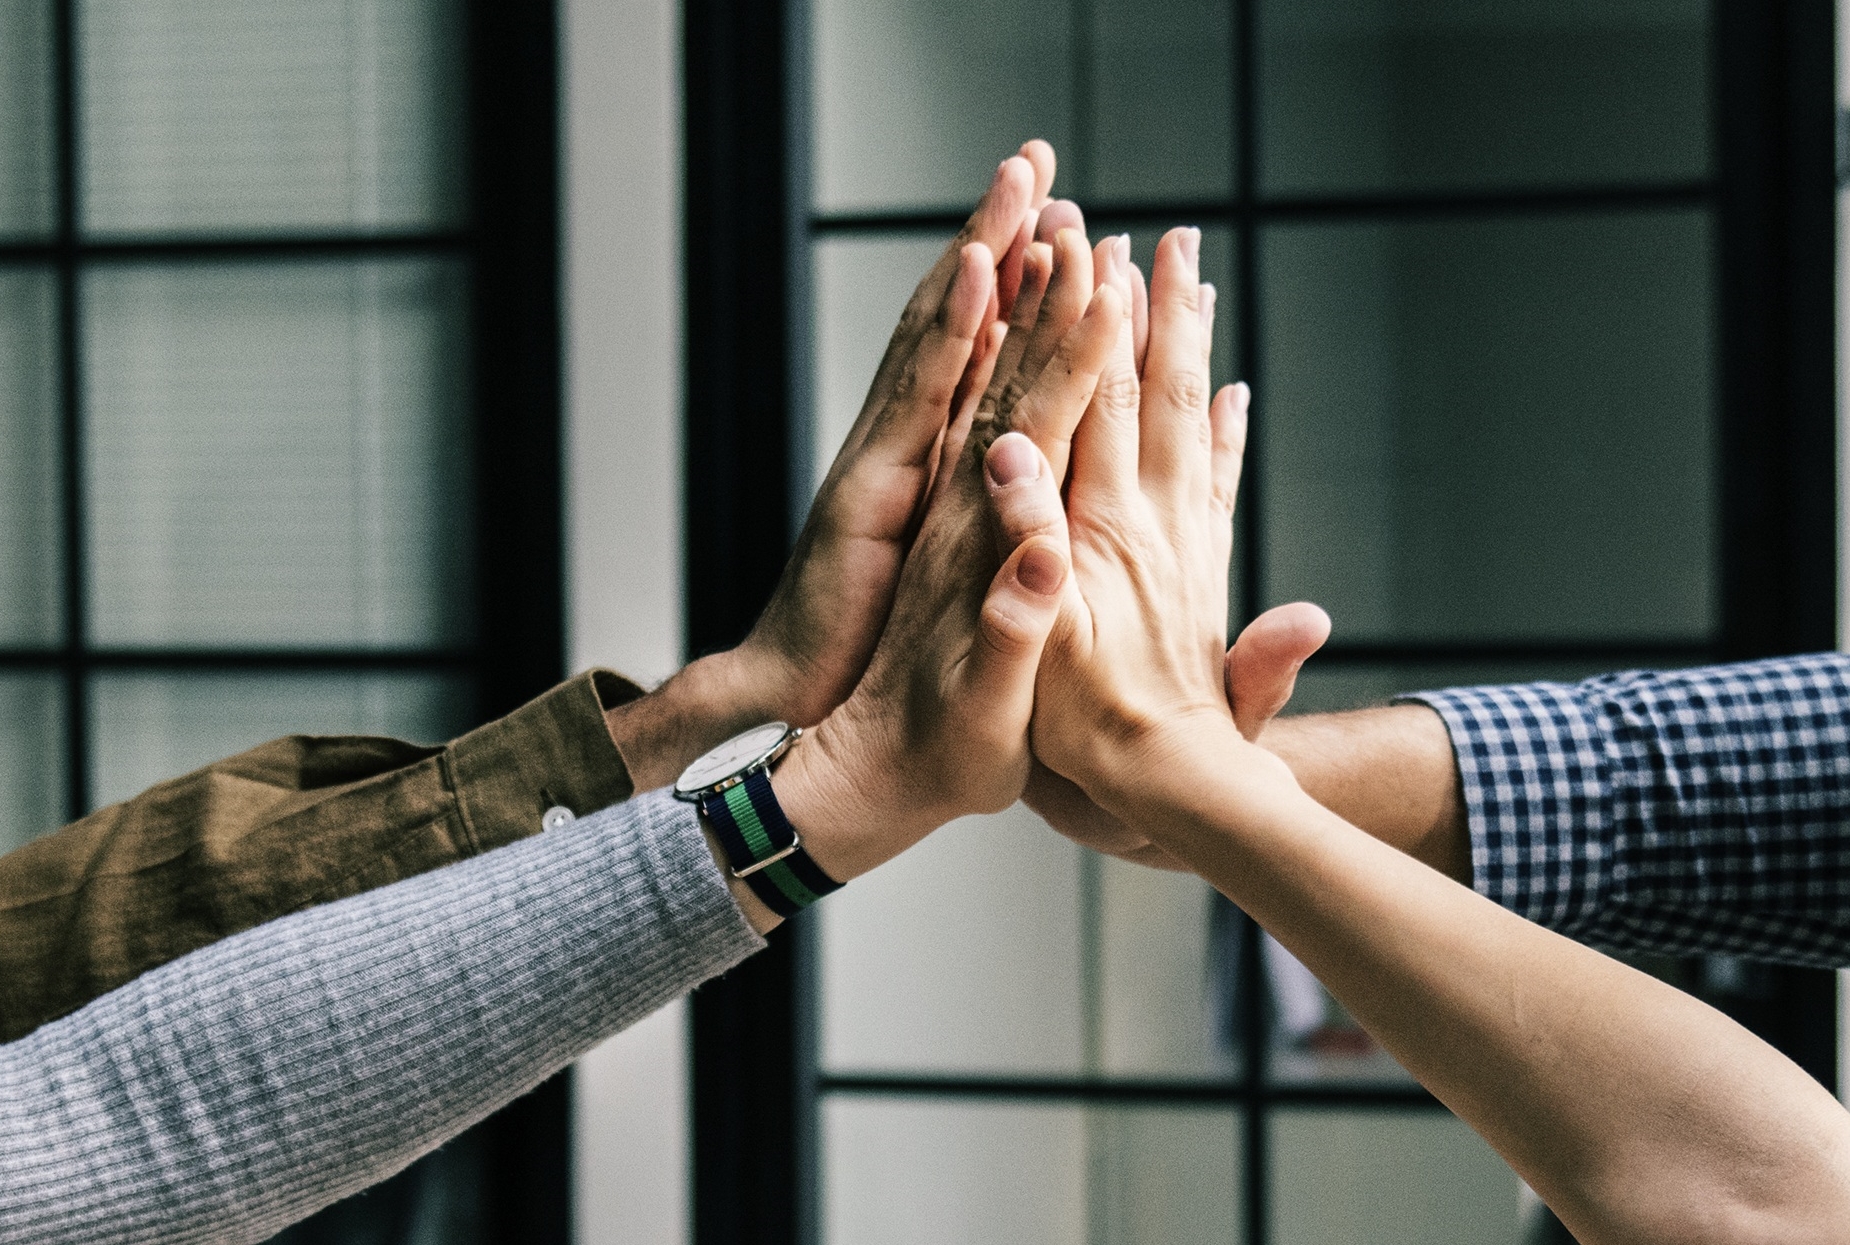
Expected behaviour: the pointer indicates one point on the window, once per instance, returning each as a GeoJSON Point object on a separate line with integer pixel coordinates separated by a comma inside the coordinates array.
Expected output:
{"type": "Point", "coordinates": [247, 254]}
{"type": "Point", "coordinates": [1532, 296]}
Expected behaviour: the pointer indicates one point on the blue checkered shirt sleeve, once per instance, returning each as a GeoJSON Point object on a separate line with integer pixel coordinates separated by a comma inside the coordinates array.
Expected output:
{"type": "Point", "coordinates": [1687, 811]}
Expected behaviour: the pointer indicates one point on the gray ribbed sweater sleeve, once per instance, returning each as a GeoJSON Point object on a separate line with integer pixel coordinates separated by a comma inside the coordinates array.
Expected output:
{"type": "Point", "coordinates": [242, 1087]}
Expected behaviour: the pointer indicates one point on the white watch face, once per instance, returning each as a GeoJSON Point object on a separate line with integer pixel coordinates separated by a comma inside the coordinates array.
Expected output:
{"type": "Point", "coordinates": [736, 755]}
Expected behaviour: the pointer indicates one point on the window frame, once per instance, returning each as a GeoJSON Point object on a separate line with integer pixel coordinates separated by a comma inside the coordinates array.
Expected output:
{"type": "Point", "coordinates": [1772, 197]}
{"type": "Point", "coordinates": [509, 244]}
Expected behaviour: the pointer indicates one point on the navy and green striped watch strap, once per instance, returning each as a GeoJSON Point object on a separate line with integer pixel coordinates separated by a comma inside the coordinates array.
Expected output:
{"type": "Point", "coordinates": [753, 830]}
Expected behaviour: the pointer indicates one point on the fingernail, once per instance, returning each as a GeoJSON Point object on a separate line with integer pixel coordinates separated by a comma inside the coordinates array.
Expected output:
{"type": "Point", "coordinates": [1191, 249]}
{"type": "Point", "coordinates": [1124, 256]}
{"type": "Point", "coordinates": [1012, 458]}
{"type": "Point", "coordinates": [1041, 570]}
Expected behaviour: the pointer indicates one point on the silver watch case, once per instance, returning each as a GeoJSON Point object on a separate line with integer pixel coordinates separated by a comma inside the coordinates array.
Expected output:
{"type": "Point", "coordinates": [735, 760]}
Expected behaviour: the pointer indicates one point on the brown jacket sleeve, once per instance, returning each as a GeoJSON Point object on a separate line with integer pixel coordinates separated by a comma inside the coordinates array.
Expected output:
{"type": "Point", "coordinates": [293, 823]}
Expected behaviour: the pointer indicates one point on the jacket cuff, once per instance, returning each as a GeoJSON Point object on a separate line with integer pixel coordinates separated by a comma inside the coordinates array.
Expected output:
{"type": "Point", "coordinates": [551, 752]}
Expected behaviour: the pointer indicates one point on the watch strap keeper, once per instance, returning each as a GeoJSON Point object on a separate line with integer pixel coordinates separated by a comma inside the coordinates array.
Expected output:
{"type": "Point", "coordinates": [763, 848]}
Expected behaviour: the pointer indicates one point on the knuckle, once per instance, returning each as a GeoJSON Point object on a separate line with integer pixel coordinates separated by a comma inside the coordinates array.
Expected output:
{"type": "Point", "coordinates": [1117, 391]}
{"type": "Point", "coordinates": [1186, 390]}
{"type": "Point", "coordinates": [1006, 629]}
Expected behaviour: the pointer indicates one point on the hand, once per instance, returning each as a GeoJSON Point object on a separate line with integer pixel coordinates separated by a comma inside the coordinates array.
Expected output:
{"type": "Point", "coordinates": [938, 726]}
{"type": "Point", "coordinates": [1135, 666]}
{"type": "Point", "coordinates": [1262, 670]}
{"type": "Point", "coordinates": [813, 641]}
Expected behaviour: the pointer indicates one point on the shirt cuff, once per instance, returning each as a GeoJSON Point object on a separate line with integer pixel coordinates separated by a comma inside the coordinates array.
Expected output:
{"type": "Point", "coordinates": [1534, 773]}
{"type": "Point", "coordinates": [553, 752]}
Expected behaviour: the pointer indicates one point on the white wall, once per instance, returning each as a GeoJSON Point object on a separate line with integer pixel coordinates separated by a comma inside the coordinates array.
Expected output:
{"type": "Point", "coordinates": [619, 63]}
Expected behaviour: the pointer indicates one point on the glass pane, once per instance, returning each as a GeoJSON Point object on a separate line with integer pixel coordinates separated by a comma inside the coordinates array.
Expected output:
{"type": "Point", "coordinates": [151, 726]}
{"type": "Point", "coordinates": [1495, 430]}
{"type": "Point", "coordinates": [908, 1172]}
{"type": "Point", "coordinates": [963, 955]}
{"type": "Point", "coordinates": [898, 1171]}
{"type": "Point", "coordinates": [28, 176]}
{"type": "Point", "coordinates": [32, 767]}
{"type": "Point", "coordinates": [1163, 1176]}
{"type": "Point", "coordinates": [861, 286]}
{"type": "Point", "coordinates": [31, 608]}
{"type": "Point", "coordinates": [1161, 105]}
{"type": "Point", "coordinates": [277, 454]}
{"type": "Point", "coordinates": [1387, 1178]}
{"type": "Point", "coordinates": [208, 116]}
{"type": "Point", "coordinates": [915, 101]}
{"type": "Point", "coordinates": [1156, 954]}
{"type": "Point", "coordinates": [1478, 94]}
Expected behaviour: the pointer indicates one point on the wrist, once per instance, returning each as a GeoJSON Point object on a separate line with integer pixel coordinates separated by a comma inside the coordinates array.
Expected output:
{"type": "Point", "coordinates": [710, 700]}
{"type": "Point", "coordinates": [844, 799]}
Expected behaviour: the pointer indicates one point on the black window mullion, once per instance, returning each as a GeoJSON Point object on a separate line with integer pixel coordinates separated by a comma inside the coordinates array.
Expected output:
{"type": "Point", "coordinates": [74, 670]}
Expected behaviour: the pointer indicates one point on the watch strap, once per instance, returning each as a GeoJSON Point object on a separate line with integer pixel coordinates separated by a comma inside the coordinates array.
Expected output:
{"type": "Point", "coordinates": [762, 846]}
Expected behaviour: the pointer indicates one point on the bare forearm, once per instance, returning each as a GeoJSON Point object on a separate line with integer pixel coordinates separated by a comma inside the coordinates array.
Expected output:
{"type": "Point", "coordinates": [1389, 771]}
{"type": "Point", "coordinates": [1639, 1113]}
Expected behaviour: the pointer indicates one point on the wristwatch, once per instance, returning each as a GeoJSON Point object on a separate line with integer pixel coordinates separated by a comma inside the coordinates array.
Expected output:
{"type": "Point", "coordinates": [732, 786]}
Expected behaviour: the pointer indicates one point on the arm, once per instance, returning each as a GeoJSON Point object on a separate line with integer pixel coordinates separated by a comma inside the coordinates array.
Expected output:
{"type": "Point", "coordinates": [304, 821]}
{"type": "Point", "coordinates": [236, 1089]}
{"type": "Point", "coordinates": [1639, 1113]}
{"type": "Point", "coordinates": [239, 1088]}
{"type": "Point", "coordinates": [1680, 811]}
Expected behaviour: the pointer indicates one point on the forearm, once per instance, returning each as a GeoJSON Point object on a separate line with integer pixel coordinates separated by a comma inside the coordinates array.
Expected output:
{"type": "Point", "coordinates": [228, 1093]}
{"type": "Point", "coordinates": [1639, 1113]}
{"type": "Point", "coordinates": [1389, 771]}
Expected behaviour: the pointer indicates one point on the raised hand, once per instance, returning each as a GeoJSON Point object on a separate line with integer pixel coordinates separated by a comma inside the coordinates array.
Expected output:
{"type": "Point", "coordinates": [1137, 658]}
{"type": "Point", "coordinates": [814, 639]}
{"type": "Point", "coordinates": [938, 726]}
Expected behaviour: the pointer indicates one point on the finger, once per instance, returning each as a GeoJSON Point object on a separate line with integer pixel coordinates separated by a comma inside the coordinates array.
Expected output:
{"type": "Point", "coordinates": [1174, 448]}
{"type": "Point", "coordinates": [1024, 492]}
{"type": "Point", "coordinates": [1153, 857]}
{"type": "Point", "coordinates": [1209, 297]}
{"type": "Point", "coordinates": [1036, 272]}
{"type": "Point", "coordinates": [982, 367]}
{"type": "Point", "coordinates": [1227, 428]}
{"type": "Point", "coordinates": [994, 223]}
{"type": "Point", "coordinates": [1069, 292]}
{"type": "Point", "coordinates": [1057, 215]}
{"type": "Point", "coordinates": [913, 419]}
{"type": "Point", "coordinates": [1008, 272]}
{"type": "Point", "coordinates": [1140, 316]}
{"type": "Point", "coordinates": [1039, 153]}
{"type": "Point", "coordinates": [1104, 463]}
{"type": "Point", "coordinates": [1051, 410]}
{"type": "Point", "coordinates": [1018, 613]}
{"type": "Point", "coordinates": [1263, 664]}
{"type": "Point", "coordinates": [1063, 805]}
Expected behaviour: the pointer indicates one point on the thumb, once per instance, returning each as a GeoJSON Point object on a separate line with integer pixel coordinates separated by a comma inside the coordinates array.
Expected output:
{"type": "Point", "coordinates": [1019, 612]}
{"type": "Point", "coordinates": [1262, 665]}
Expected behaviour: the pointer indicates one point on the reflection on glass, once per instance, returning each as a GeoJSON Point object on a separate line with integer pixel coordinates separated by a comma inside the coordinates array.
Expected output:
{"type": "Point", "coordinates": [32, 765]}
{"type": "Point", "coordinates": [1387, 1177]}
{"type": "Point", "coordinates": [27, 176]}
{"type": "Point", "coordinates": [1160, 109]}
{"type": "Point", "coordinates": [961, 956]}
{"type": "Point", "coordinates": [31, 609]}
{"type": "Point", "coordinates": [1435, 95]}
{"type": "Point", "coordinates": [152, 726]}
{"type": "Point", "coordinates": [277, 455]}
{"type": "Point", "coordinates": [203, 117]}
{"type": "Point", "coordinates": [898, 1171]}
{"type": "Point", "coordinates": [1494, 430]}
{"type": "Point", "coordinates": [861, 286]}
{"type": "Point", "coordinates": [916, 101]}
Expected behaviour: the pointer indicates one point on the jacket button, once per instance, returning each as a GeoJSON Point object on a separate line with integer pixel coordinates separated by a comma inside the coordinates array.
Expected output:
{"type": "Point", "coordinates": [556, 816]}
